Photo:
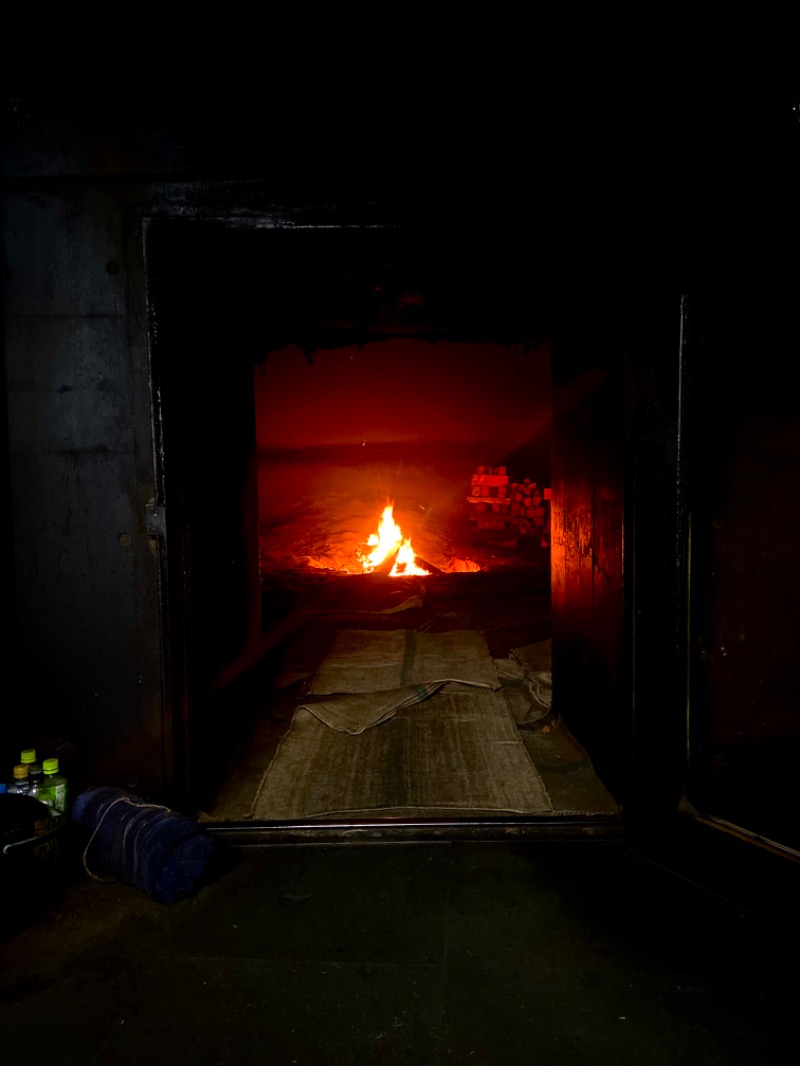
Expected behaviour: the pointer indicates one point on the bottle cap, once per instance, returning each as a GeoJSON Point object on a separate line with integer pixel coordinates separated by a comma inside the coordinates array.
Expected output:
{"type": "Point", "coordinates": [20, 771]}
{"type": "Point", "coordinates": [29, 755]}
{"type": "Point", "coordinates": [50, 766]}
{"type": "Point", "coordinates": [3, 787]}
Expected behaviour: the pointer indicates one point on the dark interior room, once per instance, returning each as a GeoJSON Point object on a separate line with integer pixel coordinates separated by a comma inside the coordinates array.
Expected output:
{"type": "Point", "coordinates": [415, 516]}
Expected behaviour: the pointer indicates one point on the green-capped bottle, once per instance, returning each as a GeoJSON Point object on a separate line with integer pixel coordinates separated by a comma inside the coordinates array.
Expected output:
{"type": "Point", "coordinates": [35, 773]}
{"type": "Point", "coordinates": [54, 792]}
{"type": "Point", "coordinates": [28, 758]}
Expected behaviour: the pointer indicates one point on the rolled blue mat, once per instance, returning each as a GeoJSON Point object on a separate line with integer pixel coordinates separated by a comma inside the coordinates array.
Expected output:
{"type": "Point", "coordinates": [152, 848]}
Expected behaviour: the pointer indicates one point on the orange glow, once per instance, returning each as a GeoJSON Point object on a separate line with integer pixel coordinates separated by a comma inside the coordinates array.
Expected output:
{"type": "Point", "coordinates": [388, 540]}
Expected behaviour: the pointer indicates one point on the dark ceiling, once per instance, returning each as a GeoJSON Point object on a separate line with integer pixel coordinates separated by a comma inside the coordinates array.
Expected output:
{"type": "Point", "coordinates": [335, 287]}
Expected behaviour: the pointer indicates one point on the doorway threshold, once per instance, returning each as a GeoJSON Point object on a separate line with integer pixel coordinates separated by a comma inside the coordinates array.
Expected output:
{"type": "Point", "coordinates": [418, 830]}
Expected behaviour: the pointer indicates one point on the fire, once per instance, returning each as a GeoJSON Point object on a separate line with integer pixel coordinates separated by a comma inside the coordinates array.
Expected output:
{"type": "Point", "coordinates": [385, 543]}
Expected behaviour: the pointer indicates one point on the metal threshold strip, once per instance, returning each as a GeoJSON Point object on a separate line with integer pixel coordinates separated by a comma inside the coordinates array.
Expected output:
{"type": "Point", "coordinates": [773, 846]}
{"type": "Point", "coordinates": [569, 827]}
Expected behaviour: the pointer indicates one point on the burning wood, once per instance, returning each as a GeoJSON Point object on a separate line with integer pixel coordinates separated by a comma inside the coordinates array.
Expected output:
{"type": "Point", "coordinates": [390, 542]}
{"type": "Point", "coordinates": [430, 568]}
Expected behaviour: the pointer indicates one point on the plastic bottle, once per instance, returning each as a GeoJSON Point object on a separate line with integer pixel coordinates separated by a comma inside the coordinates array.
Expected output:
{"type": "Point", "coordinates": [54, 792]}
{"type": "Point", "coordinates": [36, 783]}
{"type": "Point", "coordinates": [28, 758]}
{"type": "Point", "coordinates": [20, 783]}
{"type": "Point", "coordinates": [35, 774]}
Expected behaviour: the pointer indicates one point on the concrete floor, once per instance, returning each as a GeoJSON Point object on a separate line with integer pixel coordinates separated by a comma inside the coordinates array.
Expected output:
{"type": "Point", "coordinates": [350, 953]}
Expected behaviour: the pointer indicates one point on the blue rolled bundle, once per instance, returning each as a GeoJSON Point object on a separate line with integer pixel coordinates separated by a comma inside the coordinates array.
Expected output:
{"type": "Point", "coordinates": [154, 849]}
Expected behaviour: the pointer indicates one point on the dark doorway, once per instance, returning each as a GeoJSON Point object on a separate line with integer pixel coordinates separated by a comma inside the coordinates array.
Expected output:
{"type": "Point", "coordinates": [305, 379]}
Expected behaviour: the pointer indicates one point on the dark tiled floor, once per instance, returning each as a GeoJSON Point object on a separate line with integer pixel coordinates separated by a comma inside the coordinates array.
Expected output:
{"type": "Point", "coordinates": [390, 952]}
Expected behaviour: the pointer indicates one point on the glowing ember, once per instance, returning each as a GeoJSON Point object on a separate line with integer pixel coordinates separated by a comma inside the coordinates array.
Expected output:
{"type": "Point", "coordinates": [385, 543]}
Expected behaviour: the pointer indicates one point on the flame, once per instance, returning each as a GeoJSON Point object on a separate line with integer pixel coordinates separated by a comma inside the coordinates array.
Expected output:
{"type": "Point", "coordinates": [388, 540]}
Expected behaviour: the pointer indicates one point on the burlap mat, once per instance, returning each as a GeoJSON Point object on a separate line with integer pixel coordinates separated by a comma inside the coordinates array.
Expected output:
{"type": "Point", "coordinates": [455, 751]}
{"type": "Point", "coordinates": [368, 676]}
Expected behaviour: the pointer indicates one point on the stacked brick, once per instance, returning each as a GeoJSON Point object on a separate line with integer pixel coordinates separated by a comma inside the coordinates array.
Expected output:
{"type": "Point", "coordinates": [519, 507]}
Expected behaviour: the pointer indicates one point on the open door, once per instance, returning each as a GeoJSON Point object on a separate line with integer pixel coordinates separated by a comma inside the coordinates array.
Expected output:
{"type": "Point", "coordinates": [457, 338]}
{"type": "Point", "coordinates": [205, 518]}
{"type": "Point", "coordinates": [713, 589]}
{"type": "Point", "coordinates": [456, 342]}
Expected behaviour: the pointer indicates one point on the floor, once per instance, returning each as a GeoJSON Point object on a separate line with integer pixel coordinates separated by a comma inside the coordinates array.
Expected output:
{"type": "Point", "coordinates": [369, 947]}
{"type": "Point", "coordinates": [348, 953]}
{"type": "Point", "coordinates": [509, 605]}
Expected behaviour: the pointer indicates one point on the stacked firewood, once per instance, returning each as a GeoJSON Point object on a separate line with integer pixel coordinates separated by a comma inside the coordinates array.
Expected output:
{"type": "Point", "coordinates": [519, 507]}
